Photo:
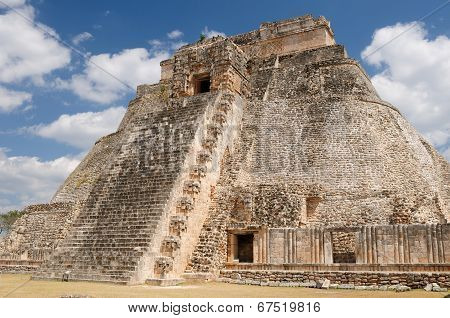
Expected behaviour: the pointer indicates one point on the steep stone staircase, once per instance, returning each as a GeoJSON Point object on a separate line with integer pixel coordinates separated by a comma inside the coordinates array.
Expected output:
{"type": "Point", "coordinates": [130, 227]}
{"type": "Point", "coordinates": [190, 211]}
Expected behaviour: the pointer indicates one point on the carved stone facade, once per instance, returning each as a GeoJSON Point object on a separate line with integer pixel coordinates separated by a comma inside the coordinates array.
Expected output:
{"type": "Point", "coordinates": [268, 152]}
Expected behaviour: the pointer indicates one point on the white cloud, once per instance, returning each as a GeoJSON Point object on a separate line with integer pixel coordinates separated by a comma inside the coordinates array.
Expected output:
{"type": "Point", "coordinates": [30, 55]}
{"type": "Point", "coordinates": [211, 33]}
{"type": "Point", "coordinates": [27, 180]}
{"type": "Point", "coordinates": [10, 100]}
{"type": "Point", "coordinates": [132, 66]}
{"type": "Point", "coordinates": [414, 75]}
{"type": "Point", "coordinates": [175, 34]}
{"type": "Point", "coordinates": [83, 129]}
{"type": "Point", "coordinates": [84, 36]}
{"type": "Point", "coordinates": [155, 42]}
{"type": "Point", "coordinates": [12, 3]}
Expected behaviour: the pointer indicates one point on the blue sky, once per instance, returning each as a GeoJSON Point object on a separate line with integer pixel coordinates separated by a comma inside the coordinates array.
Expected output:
{"type": "Point", "coordinates": [53, 105]}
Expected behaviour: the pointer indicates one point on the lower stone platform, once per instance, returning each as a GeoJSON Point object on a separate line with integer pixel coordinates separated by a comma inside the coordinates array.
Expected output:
{"type": "Point", "coordinates": [200, 277]}
{"type": "Point", "coordinates": [19, 266]}
{"type": "Point", "coordinates": [444, 267]}
{"type": "Point", "coordinates": [353, 278]}
{"type": "Point", "coordinates": [164, 282]}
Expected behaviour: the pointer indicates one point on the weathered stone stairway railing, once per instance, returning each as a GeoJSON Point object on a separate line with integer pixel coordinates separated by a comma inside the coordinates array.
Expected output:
{"type": "Point", "coordinates": [187, 218]}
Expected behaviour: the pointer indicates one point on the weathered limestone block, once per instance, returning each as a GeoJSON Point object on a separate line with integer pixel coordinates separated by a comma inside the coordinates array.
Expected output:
{"type": "Point", "coordinates": [209, 142]}
{"type": "Point", "coordinates": [178, 225]}
{"type": "Point", "coordinates": [198, 171]}
{"type": "Point", "coordinates": [214, 129]}
{"type": "Point", "coordinates": [170, 245]}
{"type": "Point", "coordinates": [163, 266]}
{"type": "Point", "coordinates": [191, 187]}
{"type": "Point", "coordinates": [220, 117]}
{"type": "Point", "coordinates": [204, 156]}
{"type": "Point", "coordinates": [185, 204]}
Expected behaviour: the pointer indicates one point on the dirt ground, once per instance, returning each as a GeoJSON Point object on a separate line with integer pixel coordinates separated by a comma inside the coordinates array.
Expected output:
{"type": "Point", "coordinates": [18, 286]}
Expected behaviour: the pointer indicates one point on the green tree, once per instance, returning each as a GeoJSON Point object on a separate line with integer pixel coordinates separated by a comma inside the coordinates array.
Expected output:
{"type": "Point", "coordinates": [202, 37]}
{"type": "Point", "coordinates": [8, 219]}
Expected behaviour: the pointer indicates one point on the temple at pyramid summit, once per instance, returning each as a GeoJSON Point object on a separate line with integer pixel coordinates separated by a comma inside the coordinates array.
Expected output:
{"type": "Point", "coordinates": [266, 158]}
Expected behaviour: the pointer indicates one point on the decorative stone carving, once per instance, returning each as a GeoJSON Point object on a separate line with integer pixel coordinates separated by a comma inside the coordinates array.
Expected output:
{"type": "Point", "coordinates": [178, 225]}
{"type": "Point", "coordinates": [220, 117]}
{"type": "Point", "coordinates": [204, 156]}
{"type": "Point", "coordinates": [191, 187]}
{"type": "Point", "coordinates": [163, 266]}
{"type": "Point", "coordinates": [170, 245]}
{"type": "Point", "coordinates": [214, 129]}
{"type": "Point", "coordinates": [185, 205]}
{"type": "Point", "coordinates": [198, 171]}
{"type": "Point", "coordinates": [209, 142]}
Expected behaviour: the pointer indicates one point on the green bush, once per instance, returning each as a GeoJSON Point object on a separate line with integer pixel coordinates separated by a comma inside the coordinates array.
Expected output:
{"type": "Point", "coordinates": [8, 219]}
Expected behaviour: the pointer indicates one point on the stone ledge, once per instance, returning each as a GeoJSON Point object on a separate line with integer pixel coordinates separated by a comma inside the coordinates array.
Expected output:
{"type": "Point", "coordinates": [164, 282]}
{"type": "Point", "coordinates": [354, 268]}
{"type": "Point", "coordinates": [297, 278]}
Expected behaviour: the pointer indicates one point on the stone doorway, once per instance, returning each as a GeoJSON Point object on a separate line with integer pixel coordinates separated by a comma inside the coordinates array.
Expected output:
{"type": "Point", "coordinates": [344, 247]}
{"type": "Point", "coordinates": [202, 84]}
{"type": "Point", "coordinates": [245, 248]}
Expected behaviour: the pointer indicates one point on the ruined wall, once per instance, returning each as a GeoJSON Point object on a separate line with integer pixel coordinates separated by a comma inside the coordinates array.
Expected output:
{"type": "Point", "coordinates": [222, 60]}
{"type": "Point", "coordinates": [39, 231]}
{"type": "Point", "coordinates": [292, 35]}
{"type": "Point", "coordinates": [339, 279]}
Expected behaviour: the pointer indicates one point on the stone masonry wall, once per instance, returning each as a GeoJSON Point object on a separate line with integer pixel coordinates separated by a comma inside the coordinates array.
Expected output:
{"type": "Point", "coordinates": [347, 279]}
{"type": "Point", "coordinates": [315, 130]}
{"type": "Point", "coordinates": [39, 231]}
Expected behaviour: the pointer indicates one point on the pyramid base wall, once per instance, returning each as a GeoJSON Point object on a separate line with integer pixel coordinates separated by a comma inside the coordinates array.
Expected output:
{"type": "Point", "coordinates": [341, 279]}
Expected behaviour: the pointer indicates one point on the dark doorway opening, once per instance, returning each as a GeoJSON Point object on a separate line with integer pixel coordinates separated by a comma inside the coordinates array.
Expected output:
{"type": "Point", "coordinates": [202, 84]}
{"type": "Point", "coordinates": [349, 257]}
{"type": "Point", "coordinates": [245, 248]}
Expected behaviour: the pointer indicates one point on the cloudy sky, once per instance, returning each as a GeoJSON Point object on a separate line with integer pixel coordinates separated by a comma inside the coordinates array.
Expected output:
{"type": "Point", "coordinates": [55, 101]}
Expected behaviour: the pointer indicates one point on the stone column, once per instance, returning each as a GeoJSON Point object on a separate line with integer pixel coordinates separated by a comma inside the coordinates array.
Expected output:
{"type": "Point", "coordinates": [401, 245]}
{"type": "Point", "coordinates": [316, 246]}
{"type": "Point", "coordinates": [364, 244]}
{"type": "Point", "coordinates": [369, 244]}
{"type": "Point", "coordinates": [328, 248]}
{"type": "Point", "coordinates": [374, 245]}
{"type": "Point", "coordinates": [429, 244]}
{"type": "Point", "coordinates": [263, 245]}
{"type": "Point", "coordinates": [440, 244]}
{"type": "Point", "coordinates": [257, 248]}
{"type": "Point", "coordinates": [395, 236]}
{"type": "Point", "coordinates": [434, 244]}
{"type": "Point", "coordinates": [406, 244]}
